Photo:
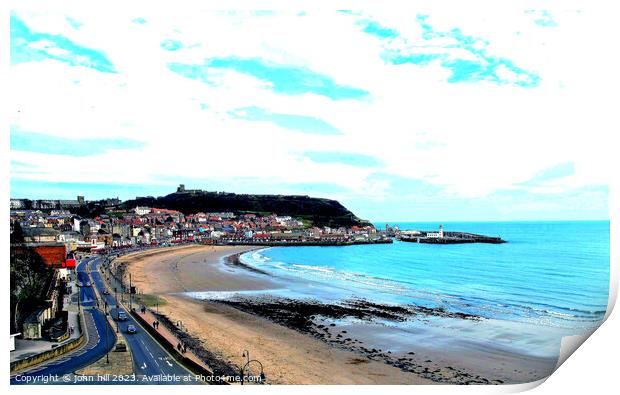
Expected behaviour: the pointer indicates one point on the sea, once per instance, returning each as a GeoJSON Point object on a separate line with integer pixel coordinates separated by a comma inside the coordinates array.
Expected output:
{"type": "Point", "coordinates": [551, 279]}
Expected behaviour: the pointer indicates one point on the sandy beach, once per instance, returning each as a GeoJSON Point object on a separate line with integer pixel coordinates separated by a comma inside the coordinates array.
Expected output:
{"type": "Point", "coordinates": [306, 341]}
{"type": "Point", "coordinates": [288, 356]}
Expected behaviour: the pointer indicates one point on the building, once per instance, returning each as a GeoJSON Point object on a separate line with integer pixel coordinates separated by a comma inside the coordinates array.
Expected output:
{"type": "Point", "coordinates": [17, 204]}
{"type": "Point", "coordinates": [142, 210]}
{"type": "Point", "coordinates": [53, 254]}
{"type": "Point", "coordinates": [436, 235]}
{"type": "Point", "coordinates": [40, 235]}
{"type": "Point", "coordinates": [181, 189]}
{"type": "Point", "coordinates": [32, 327]}
{"type": "Point", "coordinates": [68, 204]}
{"type": "Point", "coordinates": [44, 204]}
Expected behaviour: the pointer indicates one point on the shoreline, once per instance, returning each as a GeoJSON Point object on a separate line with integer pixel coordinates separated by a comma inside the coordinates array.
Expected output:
{"type": "Point", "coordinates": [304, 328]}
{"type": "Point", "coordinates": [235, 261]}
{"type": "Point", "coordinates": [289, 357]}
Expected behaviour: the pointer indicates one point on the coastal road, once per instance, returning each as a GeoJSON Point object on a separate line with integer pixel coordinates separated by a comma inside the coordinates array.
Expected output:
{"type": "Point", "coordinates": [150, 358]}
{"type": "Point", "coordinates": [96, 326]}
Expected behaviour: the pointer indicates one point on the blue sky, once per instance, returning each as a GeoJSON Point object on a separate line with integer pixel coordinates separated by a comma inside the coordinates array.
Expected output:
{"type": "Point", "coordinates": [66, 51]}
{"type": "Point", "coordinates": [42, 143]}
{"type": "Point", "coordinates": [285, 79]}
{"type": "Point", "coordinates": [398, 114]}
{"type": "Point", "coordinates": [302, 123]}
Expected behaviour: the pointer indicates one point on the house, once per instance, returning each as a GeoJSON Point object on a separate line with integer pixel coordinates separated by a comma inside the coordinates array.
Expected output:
{"type": "Point", "coordinates": [40, 235]}
{"type": "Point", "coordinates": [142, 210]}
{"type": "Point", "coordinates": [53, 254]}
{"type": "Point", "coordinates": [17, 204]}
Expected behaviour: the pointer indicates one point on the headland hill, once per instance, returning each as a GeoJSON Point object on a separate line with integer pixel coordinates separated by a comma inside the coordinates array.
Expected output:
{"type": "Point", "coordinates": [222, 218]}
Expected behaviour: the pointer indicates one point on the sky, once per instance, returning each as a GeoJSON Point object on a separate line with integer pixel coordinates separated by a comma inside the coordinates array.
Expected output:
{"type": "Point", "coordinates": [418, 113]}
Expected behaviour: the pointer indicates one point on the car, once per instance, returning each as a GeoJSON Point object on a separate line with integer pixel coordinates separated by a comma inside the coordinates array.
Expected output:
{"type": "Point", "coordinates": [131, 328]}
{"type": "Point", "coordinates": [88, 283]}
{"type": "Point", "coordinates": [106, 292]}
{"type": "Point", "coordinates": [122, 316]}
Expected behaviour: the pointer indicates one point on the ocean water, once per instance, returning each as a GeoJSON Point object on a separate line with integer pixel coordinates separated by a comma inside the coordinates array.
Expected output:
{"type": "Point", "coordinates": [550, 280]}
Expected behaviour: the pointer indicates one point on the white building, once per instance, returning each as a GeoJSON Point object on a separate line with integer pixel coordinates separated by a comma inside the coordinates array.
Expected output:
{"type": "Point", "coordinates": [76, 224]}
{"type": "Point", "coordinates": [410, 232]}
{"type": "Point", "coordinates": [436, 235]}
{"type": "Point", "coordinates": [142, 210]}
{"type": "Point", "coordinates": [17, 204]}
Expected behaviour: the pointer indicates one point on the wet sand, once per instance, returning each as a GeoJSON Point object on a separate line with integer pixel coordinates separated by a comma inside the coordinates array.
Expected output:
{"type": "Point", "coordinates": [304, 342]}
{"type": "Point", "coordinates": [288, 356]}
{"type": "Point", "coordinates": [194, 268]}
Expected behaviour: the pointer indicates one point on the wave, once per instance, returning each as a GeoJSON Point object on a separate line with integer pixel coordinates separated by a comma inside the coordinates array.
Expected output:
{"type": "Point", "coordinates": [322, 269]}
{"type": "Point", "coordinates": [516, 307]}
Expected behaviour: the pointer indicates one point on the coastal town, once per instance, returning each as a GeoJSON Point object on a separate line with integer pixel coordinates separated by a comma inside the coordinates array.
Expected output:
{"type": "Point", "coordinates": [55, 221]}
{"type": "Point", "coordinates": [53, 242]}
{"type": "Point", "coordinates": [66, 279]}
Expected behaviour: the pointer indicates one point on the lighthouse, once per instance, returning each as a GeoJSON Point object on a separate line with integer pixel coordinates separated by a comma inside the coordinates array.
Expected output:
{"type": "Point", "coordinates": [440, 230]}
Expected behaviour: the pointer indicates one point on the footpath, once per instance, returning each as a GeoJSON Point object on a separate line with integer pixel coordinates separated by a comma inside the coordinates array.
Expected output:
{"type": "Point", "coordinates": [29, 354]}
{"type": "Point", "coordinates": [161, 333]}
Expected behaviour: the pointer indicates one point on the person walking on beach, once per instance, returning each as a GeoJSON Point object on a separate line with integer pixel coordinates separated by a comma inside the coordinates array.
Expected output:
{"type": "Point", "coordinates": [179, 347]}
{"type": "Point", "coordinates": [155, 324]}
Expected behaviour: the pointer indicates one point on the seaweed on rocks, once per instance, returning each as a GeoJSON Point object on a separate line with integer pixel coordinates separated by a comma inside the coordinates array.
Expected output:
{"type": "Point", "coordinates": [312, 317]}
{"type": "Point", "coordinates": [300, 314]}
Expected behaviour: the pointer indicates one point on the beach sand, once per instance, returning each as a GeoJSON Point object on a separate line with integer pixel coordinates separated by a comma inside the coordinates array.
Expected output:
{"type": "Point", "coordinates": [288, 356]}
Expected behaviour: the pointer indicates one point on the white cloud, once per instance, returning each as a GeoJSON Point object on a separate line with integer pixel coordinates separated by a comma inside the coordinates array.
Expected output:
{"type": "Point", "coordinates": [488, 137]}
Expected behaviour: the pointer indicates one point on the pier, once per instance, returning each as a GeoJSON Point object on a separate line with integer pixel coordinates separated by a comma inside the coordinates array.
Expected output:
{"type": "Point", "coordinates": [441, 237]}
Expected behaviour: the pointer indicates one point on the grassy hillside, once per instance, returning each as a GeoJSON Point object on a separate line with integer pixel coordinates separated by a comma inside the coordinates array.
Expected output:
{"type": "Point", "coordinates": [319, 212]}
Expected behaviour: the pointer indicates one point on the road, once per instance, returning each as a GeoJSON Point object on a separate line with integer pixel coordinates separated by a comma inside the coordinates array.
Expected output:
{"type": "Point", "coordinates": [150, 358]}
{"type": "Point", "coordinates": [96, 327]}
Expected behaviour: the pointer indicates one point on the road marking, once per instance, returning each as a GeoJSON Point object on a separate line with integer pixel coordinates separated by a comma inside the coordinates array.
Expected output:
{"type": "Point", "coordinates": [139, 324]}
{"type": "Point", "coordinates": [143, 366]}
{"type": "Point", "coordinates": [150, 353]}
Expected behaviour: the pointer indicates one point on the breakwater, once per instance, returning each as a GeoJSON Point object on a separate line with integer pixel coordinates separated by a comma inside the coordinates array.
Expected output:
{"type": "Point", "coordinates": [450, 238]}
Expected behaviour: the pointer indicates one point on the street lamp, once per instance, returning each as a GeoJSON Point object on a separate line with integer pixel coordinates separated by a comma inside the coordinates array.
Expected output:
{"type": "Point", "coordinates": [262, 372]}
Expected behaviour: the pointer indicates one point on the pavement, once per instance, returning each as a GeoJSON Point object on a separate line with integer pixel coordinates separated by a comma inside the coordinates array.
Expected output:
{"type": "Point", "coordinates": [96, 328]}
{"type": "Point", "coordinates": [27, 348]}
{"type": "Point", "coordinates": [150, 358]}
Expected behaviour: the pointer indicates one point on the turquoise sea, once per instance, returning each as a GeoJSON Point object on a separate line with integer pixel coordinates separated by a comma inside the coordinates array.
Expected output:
{"type": "Point", "coordinates": [550, 280]}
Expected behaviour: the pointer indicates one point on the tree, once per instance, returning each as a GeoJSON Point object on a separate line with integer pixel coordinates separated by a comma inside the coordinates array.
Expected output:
{"type": "Point", "coordinates": [17, 236]}
{"type": "Point", "coordinates": [29, 279]}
